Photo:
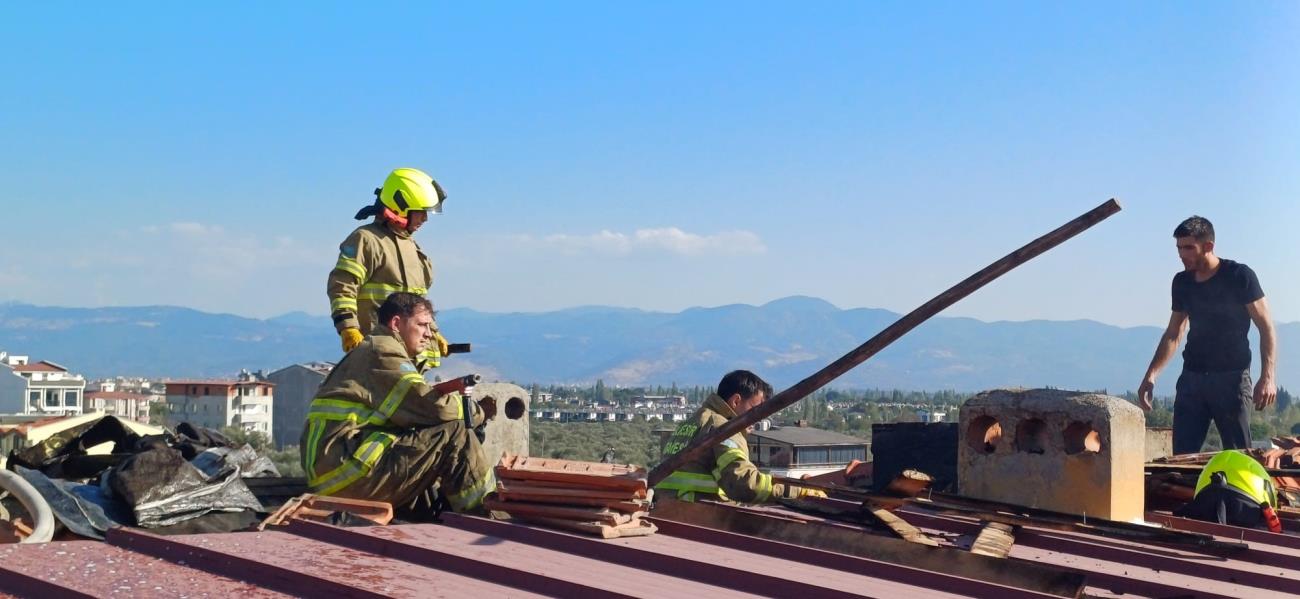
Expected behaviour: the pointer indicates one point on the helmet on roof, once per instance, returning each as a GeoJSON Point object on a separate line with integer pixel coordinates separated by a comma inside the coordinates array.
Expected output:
{"type": "Point", "coordinates": [1241, 472]}
{"type": "Point", "coordinates": [1234, 489]}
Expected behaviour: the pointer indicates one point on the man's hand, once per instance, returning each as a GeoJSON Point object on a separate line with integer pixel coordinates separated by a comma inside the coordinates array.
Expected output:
{"type": "Point", "coordinates": [1265, 393]}
{"type": "Point", "coordinates": [351, 338]}
{"type": "Point", "coordinates": [1145, 391]}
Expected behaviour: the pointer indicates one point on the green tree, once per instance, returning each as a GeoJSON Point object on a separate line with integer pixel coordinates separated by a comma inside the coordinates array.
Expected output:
{"type": "Point", "coordinates": [159, 411]}
{"type": "Point", "coordinates": [258, 441]}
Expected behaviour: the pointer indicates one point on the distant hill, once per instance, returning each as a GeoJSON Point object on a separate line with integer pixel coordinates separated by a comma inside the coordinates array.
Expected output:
{"type": "Point", "coordinates": [784, 340]}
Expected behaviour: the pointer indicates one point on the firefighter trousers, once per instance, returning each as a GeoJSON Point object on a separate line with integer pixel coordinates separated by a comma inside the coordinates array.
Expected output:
{"type": "Point", "coordinates": [448, 454]}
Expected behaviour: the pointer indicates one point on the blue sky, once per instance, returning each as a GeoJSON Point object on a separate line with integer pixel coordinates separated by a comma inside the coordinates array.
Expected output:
{"type": "Point", "coordinates": [654, 156]}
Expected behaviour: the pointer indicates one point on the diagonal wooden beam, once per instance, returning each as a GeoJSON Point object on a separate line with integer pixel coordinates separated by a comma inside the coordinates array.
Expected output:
{"type": "Point", "coordinates": [882, 339]}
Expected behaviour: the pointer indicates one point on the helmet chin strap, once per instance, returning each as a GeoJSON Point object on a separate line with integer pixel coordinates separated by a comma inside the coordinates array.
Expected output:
{"type": "Point", "coordinates": [400, 221]}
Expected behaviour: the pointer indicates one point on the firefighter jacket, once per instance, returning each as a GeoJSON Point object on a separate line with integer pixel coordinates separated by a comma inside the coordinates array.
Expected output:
{"type": "Point", "coordinates": [724, 470]}
{"type": "Point", "coordinates": [370, 399]}
{"type": "Point", "coordinates": [374, 262]}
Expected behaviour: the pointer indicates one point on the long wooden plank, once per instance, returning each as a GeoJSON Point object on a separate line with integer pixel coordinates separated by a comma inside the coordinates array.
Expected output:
{"type": "Point", "coordinates": [817, 380]}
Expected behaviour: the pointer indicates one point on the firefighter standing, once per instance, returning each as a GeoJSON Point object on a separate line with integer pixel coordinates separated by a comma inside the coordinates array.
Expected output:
{"type": "Point", "coordinates": [725, 472]}
{"type": "Point", "coordinates": [382, 258]}
{"type": "Point", "coordinates": [377, 431]}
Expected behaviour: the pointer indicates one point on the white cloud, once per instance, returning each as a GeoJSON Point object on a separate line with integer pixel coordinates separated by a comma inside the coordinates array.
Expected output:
{"type": "Point", "coordinates": [670, 240]}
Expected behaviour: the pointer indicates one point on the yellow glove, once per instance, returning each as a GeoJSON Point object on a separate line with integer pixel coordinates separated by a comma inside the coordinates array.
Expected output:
{"type": "Point", "coordinates": [440, 342]}
{"type": "Point", "coordinates": [351, 338]}
{"type": "Point", "coordinates": [805, 492]}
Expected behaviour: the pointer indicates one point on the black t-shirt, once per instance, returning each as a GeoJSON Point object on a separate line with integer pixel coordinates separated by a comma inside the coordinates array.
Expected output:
{"type": "Point", "coordinates": [1216, 308]}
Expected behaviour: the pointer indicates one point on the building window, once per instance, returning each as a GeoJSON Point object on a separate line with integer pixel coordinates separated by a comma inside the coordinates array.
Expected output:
{"type": "Point", "coordinates": [34, 398]}
{"type": "Point", "coordinates": [52, 398]}
{"type": "Point", "coordinates": [811, 455]}
{"type": "Point", "coordinates": [846, 454]}
{"type": "Point", "coordinates": [71, 398]}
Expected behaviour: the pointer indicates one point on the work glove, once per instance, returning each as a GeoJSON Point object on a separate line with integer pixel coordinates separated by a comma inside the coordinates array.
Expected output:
{"type": "Point", "coordinates": [805, 493]}
{"type": "Point", "coordinates": [440, 342]}
{"type": "Point", "coordinates": [351, 338]}
{"type": "Point", "coordinates": [811, 493]}
{"type": "Point", "coordinates": [794, 492]}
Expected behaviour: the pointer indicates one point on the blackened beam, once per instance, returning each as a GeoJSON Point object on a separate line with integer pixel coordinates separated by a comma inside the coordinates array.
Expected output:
{"type": "Point", "coordinates": [860, 551]}
{"type": "Point", "coordinates": [1232, 532]}
{"type": "Point", "coordinates": [1144, 557]}
{"type": "Point", "coordinates": [1195, 469]}
{"type": "Point", "coordinates": [1017, 515]}
{"type": "Point", "coordinates": [882, 339]}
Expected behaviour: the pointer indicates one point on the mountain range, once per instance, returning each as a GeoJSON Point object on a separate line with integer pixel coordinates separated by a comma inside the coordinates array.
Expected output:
{"type": "Point", "coordinates": [784, 340]}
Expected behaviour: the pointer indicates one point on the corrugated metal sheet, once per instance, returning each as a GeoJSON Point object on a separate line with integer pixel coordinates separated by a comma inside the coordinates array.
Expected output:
{"type": "Point", "coordinates": [468, 556]}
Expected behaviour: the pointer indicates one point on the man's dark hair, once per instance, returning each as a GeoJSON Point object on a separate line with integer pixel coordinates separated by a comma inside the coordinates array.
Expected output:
{"type": "Point", "coordinates": [1196, 227]}
{"type": "Point", "coordinates": [743, 382]}
{"type": "Point", "coordinates": [403, 304]}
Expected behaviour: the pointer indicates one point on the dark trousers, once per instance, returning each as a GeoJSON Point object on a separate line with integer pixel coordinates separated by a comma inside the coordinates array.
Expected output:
{"type": "Point", "coordinates": [1224, 397]}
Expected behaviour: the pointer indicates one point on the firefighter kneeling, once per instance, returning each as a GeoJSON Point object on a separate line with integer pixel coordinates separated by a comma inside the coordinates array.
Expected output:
{"type": "Point", "coordinates": [377, 431]}
{"type": "Point", "coordinates": [725, 473]}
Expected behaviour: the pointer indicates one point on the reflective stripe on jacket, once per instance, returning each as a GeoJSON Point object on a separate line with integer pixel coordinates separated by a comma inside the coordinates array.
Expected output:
{"type": "Point", "coordinates": [725, 471]}
{"type": "Point", "coordinates": [375, 262]}
{"type": "Point", "coordinates": [370, 397]}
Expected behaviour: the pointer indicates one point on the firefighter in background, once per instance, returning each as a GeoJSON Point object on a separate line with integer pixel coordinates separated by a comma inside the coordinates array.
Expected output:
{"type": "Point", "coordinates": [725, 473]}
{"type": "Point", "coordinates": [381, 258]}
{"type": "Point", "coordinates": [1234, 489]}
{"type": "Point", "coordinates": [377, 431]}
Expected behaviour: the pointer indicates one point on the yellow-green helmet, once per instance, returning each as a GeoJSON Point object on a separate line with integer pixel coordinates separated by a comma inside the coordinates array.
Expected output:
{"type": "Point", "coordinates": [1243, 473]}
{"type": "Point", "coordinates": [408, 189]}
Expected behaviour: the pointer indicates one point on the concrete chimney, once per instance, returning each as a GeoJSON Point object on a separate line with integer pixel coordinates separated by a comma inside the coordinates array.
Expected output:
{"type": "Point", "coordinates": [1065, 451]}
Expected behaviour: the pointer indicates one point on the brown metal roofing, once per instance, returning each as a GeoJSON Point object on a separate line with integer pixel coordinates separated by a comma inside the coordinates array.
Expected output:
{"type": "Point", "coordinates": [470, 556]}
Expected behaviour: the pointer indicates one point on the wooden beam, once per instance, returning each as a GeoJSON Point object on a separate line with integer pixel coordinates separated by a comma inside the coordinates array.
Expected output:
{"type": "Point", "coordinates": [994, 540]}
{"type": "Point", "coordinates": [1195, 469]}
{"type": "Point", "coordinates": [882, 339]}
{"type": "Point", "coordinates": [901, 528]}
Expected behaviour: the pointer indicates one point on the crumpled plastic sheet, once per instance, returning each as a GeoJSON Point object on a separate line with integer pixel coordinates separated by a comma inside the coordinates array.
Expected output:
{"type": "Point", "coordinates": [83, 508]}
{"type": "Point", "coordinates": [215, 459]}
{"type": "Point", "coordinates": [163, 489]}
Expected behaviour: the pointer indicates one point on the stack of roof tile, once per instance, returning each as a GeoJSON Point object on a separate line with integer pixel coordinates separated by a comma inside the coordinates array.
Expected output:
{"type": "Point", "coordinates": [607, 500]}
{"type": "Point", "coordinates": [1285, 455]}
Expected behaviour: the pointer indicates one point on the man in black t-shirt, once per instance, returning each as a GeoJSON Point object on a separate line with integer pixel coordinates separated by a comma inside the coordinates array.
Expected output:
{"type": "Point", "coordinates": [1219, 298]}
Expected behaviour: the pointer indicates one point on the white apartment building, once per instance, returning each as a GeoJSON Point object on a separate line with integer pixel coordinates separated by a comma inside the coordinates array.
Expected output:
{"type": "Point", "coordinates": [38, 388]}
{"type": "Point", "coordinates": [246, 402]}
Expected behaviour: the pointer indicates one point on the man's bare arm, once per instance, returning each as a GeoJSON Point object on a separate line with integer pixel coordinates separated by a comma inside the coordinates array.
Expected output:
{"type": "Point", "coordinates": [1266, 388]}
{"type": "Point", "coordinates": [1164, 351]}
